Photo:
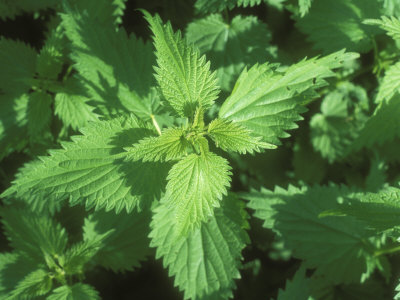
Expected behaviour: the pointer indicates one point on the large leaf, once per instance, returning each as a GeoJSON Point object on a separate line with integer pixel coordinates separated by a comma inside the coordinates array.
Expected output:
{"type": "Point", "coordinates": [268, 101]}
{"type": "Point", "coordinates": [334, 25]}
{"type": "Point", "coordinates": [184, 77]}
{"type": "Point", "coordinates": [390, 84]}
{"type": "Point", "coordinates": [206, 262]}
{"type": "Point", "coordinates": [230, 46]}
{"type": "Point", "coordinates": [338, 248]}
{"type": "Point", "coordinates": [91, 170]}
{"type": "Point", "coordinates": [196, 186]}
{"type": "Point", "coordinates": [117, 77]}
{"type": "Point", "coordinates": [36, 283]}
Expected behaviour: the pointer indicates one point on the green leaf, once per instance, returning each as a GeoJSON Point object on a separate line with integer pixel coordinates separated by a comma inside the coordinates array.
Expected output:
{"type": "Point", "coordinates": [17, 67]}
{"type": "Point", "coordinates": [72, 107]}
{"type": "Point", "coordinates": [51, 57]}
{"type": "Point", "coordinates": [39, 114]}
{"type": "Point", "coordinates": [343, 114]}
{"type": "Point", "coordinates": [184, 77]}
{"type": "Point", "coordinates": [117, 78]}
{"type": "Point", "coordinates": [13, 268]}
{"type": "Point", "coordinates": [212, 6]}
{"type": "Point", "coordinates": [103, 12]}
{"type": "Point", "coordinates": [390, 84]}
{"type": "Point", "coordinates": [206, 262]}
{"type": "Point", "coordinates": [231, 136]}
{"type": "Point", "coordinates": [13, 121]}
{"type": "Point", "coordinates": [126, 242]}
{"type": "Point", "coordinates": [390, 25]}
{"type": "Point", "coordinates": [380, 211]}
{"type": "Point", "coordinates": [78, 255]}
{"type": "Point", "coordinates": [304, 6]}
{"type": "Point", "coordinates": [384, 120]}
{"type": "Point", "coordinates": [334, 25]}
{"type": "Point", "coordinates": [171, 145]}
{"type": "Point", "coordinates": [268, 100]}
{"type": "Point", "coordinates": [10, 9]}
{"type": "Point", "coordinates": [297, 288]}
{"type": "Point", "coordinates": [35, 284]}
{"type": "Point", "coordinates": [91, 170]}
{"type": "Point", "coordinates": [36, 235]}
{"type": "Point", "coordinates": [230, 46]}
{"type": "Point", "coordinates": [196, 185]}
{"type": "Point", "coordinates": [78, 291]}
{"type": "Point", "coordinates": [338, 248]}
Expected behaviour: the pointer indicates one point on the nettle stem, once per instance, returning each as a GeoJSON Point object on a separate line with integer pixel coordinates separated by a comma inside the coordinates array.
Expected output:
{"type": "Point", "coordinates": [387, 251]}
{"type": "Point", "coordinates": [155, 124]}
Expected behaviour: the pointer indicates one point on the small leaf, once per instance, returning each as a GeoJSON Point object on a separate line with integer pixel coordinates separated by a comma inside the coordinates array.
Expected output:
{"type": "Point", "coordinates": [195, 187]}
{"type": "Point", "coordinates": [231, 136]}
{"type": "Point", "coordinates": [184, 77]}
{"type": "Point", "coordinates": [390, 84]}
{"type": "Point", "coordinates": [78, 291]}
{"type": "Point", "coordinates": [390, 24]}
{"type": "Point", "coordinates": [170, 145]}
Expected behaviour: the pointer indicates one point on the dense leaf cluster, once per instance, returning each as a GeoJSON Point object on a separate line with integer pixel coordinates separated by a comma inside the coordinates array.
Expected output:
{"type": "Point", "coordinates": [164, 147]}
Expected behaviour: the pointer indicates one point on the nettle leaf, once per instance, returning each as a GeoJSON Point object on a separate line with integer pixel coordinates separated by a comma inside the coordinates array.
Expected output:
{"type": "Point", "coordinates": [72, 107]}
{"type": "Point", "coordinates": [184, 77]}
{"type": "Point", "coordinates": [39, 114]}
{"type": "Point", "coordinates": [390, 25]}
{"type": "Point", "coordinates": [230, 47]}
{"type": "Point", "coordinates": [297, 288]}
{"type": "Point", "coordinates": [390, 84]}
{"type": "Point", "coordinates": [268, 101]}
{"type": "Point", "coordinates": [231, 136]}
{"type": "Point", "coordinates": [36, 235]}
{"type": "Point", "coordinates": [338, 248]}
{"type": "Point", "coordinates": [17, 67]}
{"type": "Point", "coordinates": [78, 255]}
{"type": "Point", "coordinates": [206, 262]}
{"type": "Point", "coordinates": [104, 12]}
{"type": "Point", "coordinates": [342, 24]}
{"type": "Point", "coordinates": [343, 114]}
{"type": "Point", "coordinates": [380, 211]}
{"type": "Point", "coordinates": [126, 242]}
{"type": "Point", "coordinates": [118, 78]}
{"type": "Point", "coordinates": [35, 284]}
{"type": "Point", "coordinates": [13, 121]}
{"type": "Point", "coordinates": [91, 170]}
{"type": "Point", "coordinates": [385, 119]}
{"type": "Point", "coordinates": [51, 57]}
{"type": "Point", "coordinates": [78, 291]}
{"type": "Point", "coordinates": [196, 185]}
{"type": "Point", "coordinates": [10, 9]}
{"type": "Point", "coordinates": [304, 7]}
{"type": "Point", "coordinates": [212, 6]}
{"type": "Point", "coordinates": [13, 268]}
{"type": "Point", "coordinates": [170, 145]}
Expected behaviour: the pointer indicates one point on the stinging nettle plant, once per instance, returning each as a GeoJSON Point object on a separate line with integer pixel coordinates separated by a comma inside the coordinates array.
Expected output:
{"type": "Point", "coordinates": [151, 166]}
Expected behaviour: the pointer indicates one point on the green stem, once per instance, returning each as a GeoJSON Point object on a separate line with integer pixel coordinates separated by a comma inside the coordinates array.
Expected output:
{"type": "Point", "coordinates": [155, 124]}
{"type": "Point", "coordinates": [387, 251]}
